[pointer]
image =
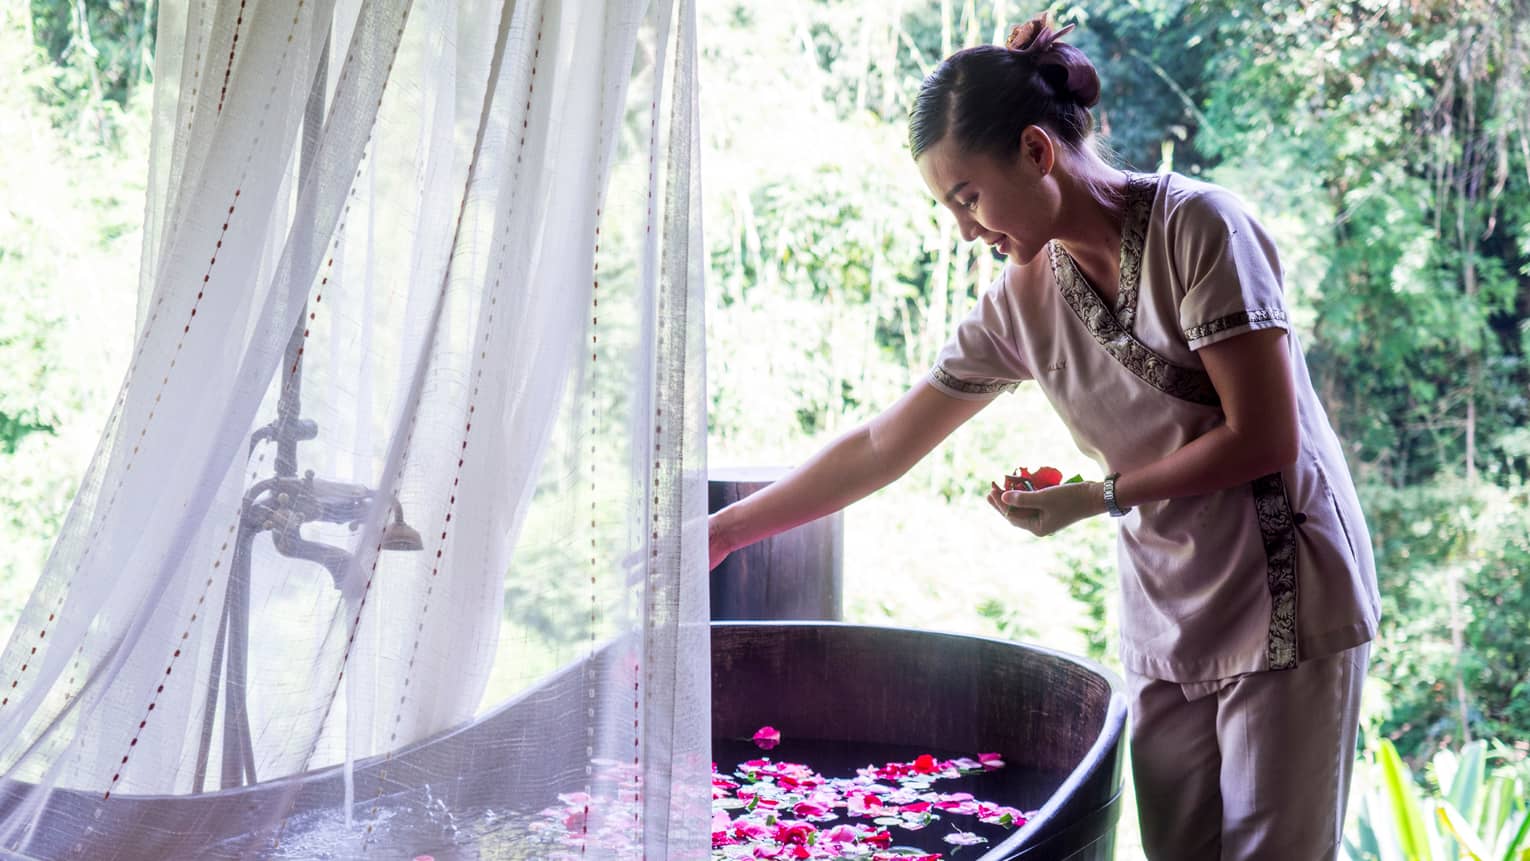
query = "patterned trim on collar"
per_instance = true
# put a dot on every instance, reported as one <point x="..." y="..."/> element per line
<point x="1187" y="384"/>
<point x="1278" y="528"/>
<point x="944" y="377"/>
<point x="1233" y="321"/>
<point x="1141" y="189"/>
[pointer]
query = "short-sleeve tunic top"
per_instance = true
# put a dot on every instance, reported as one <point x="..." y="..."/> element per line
<point x="1255" y="577"/>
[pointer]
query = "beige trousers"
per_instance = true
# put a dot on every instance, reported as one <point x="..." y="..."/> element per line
<point x="1254" y="768"/>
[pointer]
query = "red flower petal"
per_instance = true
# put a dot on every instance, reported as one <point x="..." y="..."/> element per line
<point x="1047" y="477"/>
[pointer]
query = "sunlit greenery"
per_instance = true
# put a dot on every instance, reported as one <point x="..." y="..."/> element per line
<point x="1475" y="805"/>
<point x="71" y="199"/>
<point x="1386" y="145"/>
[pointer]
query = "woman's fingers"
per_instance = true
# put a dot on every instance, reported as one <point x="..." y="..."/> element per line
<point x="1028" y="519"/>
<point x="993" y="498"/>
<point x="1024" y="517"/>
<point x="998" y="506"/>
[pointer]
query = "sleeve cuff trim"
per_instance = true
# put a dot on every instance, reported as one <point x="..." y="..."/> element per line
<point x="1253" y="318"/>
<point x="944" y="380"/>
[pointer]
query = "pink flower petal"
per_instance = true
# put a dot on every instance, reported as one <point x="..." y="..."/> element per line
<point x="767" y="737"/>
<point x="810" y="810"/>
<point x="956" y="796"/>
<point x="840" y="834"/>
<point x="747" y="830"/>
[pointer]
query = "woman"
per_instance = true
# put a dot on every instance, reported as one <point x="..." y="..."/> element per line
<point x="1149" y="309"/>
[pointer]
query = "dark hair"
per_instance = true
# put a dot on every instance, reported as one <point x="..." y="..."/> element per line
<point x="985" y="96"/>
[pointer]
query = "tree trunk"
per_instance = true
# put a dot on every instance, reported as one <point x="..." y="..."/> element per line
<point x="1001" y="23"/>
<point x="945" y="29"/>
<point x="938" y="300"/>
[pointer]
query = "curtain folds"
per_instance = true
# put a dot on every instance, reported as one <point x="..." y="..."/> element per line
<point x="394" y="542"/>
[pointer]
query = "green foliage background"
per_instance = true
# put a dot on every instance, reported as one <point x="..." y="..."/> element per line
<point x="73" y="128"/>
<point x="1385" y="143"/>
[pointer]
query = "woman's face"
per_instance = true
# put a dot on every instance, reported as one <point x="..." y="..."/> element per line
<point x="1007" y="203"/>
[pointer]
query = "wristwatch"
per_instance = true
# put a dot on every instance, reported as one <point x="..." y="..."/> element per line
<point x="1110" y="496"/>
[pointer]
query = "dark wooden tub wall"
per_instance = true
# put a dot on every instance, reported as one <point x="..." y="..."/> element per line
<point x="1041" y="709"/>
<point x="795" y="575"/>
<point x="467" y="768"/>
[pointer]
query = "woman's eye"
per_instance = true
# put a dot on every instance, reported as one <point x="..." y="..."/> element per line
<point x="971" y="205"/>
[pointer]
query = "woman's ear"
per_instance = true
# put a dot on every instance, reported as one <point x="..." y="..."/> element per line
<point x="1037" y="149"/>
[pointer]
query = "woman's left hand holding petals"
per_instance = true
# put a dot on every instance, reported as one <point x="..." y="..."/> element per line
<point x="1043" y="512"/>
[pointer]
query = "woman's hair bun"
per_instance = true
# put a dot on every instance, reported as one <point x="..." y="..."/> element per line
<point x="1063" y="66"/>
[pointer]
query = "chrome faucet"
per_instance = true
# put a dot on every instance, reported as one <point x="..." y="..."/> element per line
<point x="283" y="504"/>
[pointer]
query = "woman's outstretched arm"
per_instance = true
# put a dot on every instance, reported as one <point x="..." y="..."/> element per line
<point x="853" y="466"/>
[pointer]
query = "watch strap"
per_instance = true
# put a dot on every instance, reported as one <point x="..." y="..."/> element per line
<point x="1111" y="506"/>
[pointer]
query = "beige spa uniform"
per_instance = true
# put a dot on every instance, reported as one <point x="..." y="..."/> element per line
<point x="1216" y="590"/>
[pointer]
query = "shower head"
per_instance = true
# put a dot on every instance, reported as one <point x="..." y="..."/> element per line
<point x="399" y="535"/>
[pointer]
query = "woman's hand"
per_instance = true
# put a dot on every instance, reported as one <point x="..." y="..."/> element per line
<point x="1043" y="512"/>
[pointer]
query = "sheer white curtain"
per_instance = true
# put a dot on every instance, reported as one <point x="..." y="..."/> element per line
<point x="394" y="541"/>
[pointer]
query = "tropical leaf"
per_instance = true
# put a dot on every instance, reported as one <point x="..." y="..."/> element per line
<point x="1465" y="788"/>
<point x="1406" y="815"/>
<point x="1515" y="849"/>
<point x="1453" y="823"/>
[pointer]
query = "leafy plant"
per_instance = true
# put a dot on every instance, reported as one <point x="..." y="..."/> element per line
<point x="1474" y="809"/>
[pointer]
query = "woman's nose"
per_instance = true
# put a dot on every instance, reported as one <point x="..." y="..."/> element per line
<point x="970" y="229"/>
